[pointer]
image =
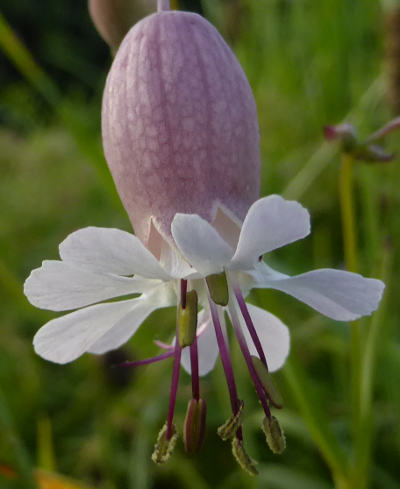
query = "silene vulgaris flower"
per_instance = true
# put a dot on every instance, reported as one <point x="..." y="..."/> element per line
<point x="180" y="135"/>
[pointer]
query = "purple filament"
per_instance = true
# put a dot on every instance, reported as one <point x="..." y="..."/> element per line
<point x="174" y="387"/>
<point x="177" y="364"/>
<point x="225" y="357"/>
<point x="194" y="364"/>
<point x="183" y="293"/>
<point x="147" y="361"/>
<point x="246" y="354"/>
<point x="226" y="362"/>
<point x="250" y="325"/>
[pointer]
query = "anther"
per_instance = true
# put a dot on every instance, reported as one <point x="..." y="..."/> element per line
<point x="218" y="288"/>
<point x="229" y="428"/>
<point x="188" y="319"/>
<point x="242" y="457"/>
<point x="195" y="425"/>
<point x="268" y="385"/>
<point x="274" y="435"/>
<point x="164" y="446"/>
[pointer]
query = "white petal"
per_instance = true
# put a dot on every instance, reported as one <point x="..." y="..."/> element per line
<point x="340" y="295"/>
<point x="110" y="250"/>
<point x="159" y="297"/>
<point x="59" y="286"/>
<point x="227" y="225"/>
<point x="99" y="328"/>
<point x="200" y="243"/>
<point x="173" y="262"/>
<point x="206" y="344"/>
<point x="273" y="335"/>
<point x="271" y="222"/>
<point x="64" y="339"/>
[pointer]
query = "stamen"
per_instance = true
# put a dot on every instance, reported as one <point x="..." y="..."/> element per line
<point x="226" y="362"/>
<point x="218" y="288"/>
<point x="249" y="324"/>
<point x="246" y="354"/>
<point x="174" y="389"/>
<point x="225" y="357"/>
<point x="230" y="427"/>
<point x="164" y="446"/>
<point x="267" y="382"/>
<point x="187" y="319"/>
<point x="242" y="457"/>
<point x="183" y="293"/>
<point x="147" y="361"/>
<point x="195" y="425"/>
<point x="274" y="435"/>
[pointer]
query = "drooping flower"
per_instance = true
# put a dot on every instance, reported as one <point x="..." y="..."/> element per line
<point x="181" y="138"/>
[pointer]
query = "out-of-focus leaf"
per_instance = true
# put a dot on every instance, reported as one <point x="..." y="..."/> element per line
<point x="44" y="480"/>
<point x="276" y="476"/>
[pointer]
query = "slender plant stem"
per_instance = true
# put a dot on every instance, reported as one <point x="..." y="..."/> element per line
<point x="163" y="5"/>
<point x="360" y="430"/>
<point x="317" y="423"/>
<point x="367" y="376"/>
<point x="347" y="209"/>
<point x="302" y="181"/>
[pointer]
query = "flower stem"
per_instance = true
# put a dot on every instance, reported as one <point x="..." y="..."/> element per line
<point x="367" y="377"/>
<point x="347" y="209"/>
<point x="162" y="5"/>
<point x="317" y="423"/>
<point x="360" y="430"/>
<point x="350" y="252"/>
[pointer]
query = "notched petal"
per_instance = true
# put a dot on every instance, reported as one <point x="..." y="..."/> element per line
<point x="200" y="243"/>
<point x="272" y="222"/>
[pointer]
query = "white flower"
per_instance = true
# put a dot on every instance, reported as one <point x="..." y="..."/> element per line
<point x="98" y="264"/>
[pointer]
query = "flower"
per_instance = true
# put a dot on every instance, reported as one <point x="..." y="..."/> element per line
<point x="99" y="264"/>
<point x="181" y="138"/>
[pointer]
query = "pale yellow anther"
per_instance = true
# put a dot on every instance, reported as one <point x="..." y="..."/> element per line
<point x="218" y="288"/>
<point x="188" y="319"/>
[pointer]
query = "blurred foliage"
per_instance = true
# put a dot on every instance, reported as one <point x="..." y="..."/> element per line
<point x="309" y="63"/>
